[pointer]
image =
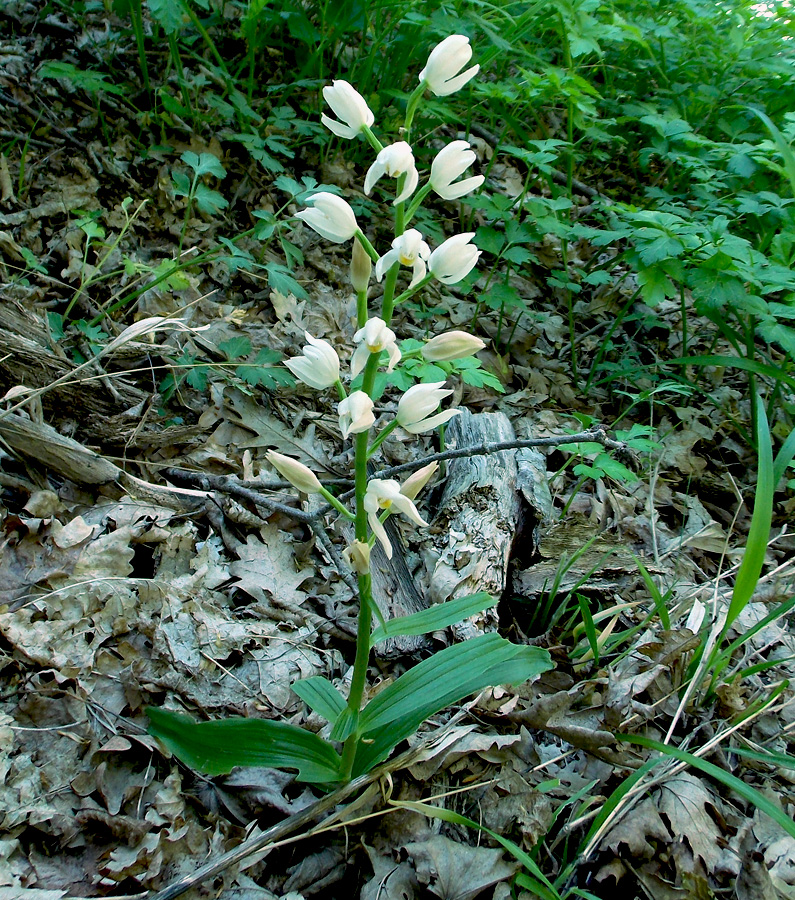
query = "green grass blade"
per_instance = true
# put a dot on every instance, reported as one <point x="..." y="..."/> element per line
<point x="736" y="362"/>
<point x="590" y="628"/>
<point x="783" y="458"/>
<point x="751" y="794"/>
<point x="435" y="617"/>
<point x="759" y="533"/>
<point x="216" y="747"/>
<point x="448" y="815"/>
<point x="654" y="591"/>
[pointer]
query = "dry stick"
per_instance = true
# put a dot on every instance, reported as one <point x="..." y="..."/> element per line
<point x="229" y="485"/>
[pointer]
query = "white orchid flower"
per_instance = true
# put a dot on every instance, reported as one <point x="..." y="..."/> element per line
<point x="384" y="494"/>
<point x="331" y="217"/>
<point x="409" y="250"/>
<point x="450" y="162"/>
<point x="319" y="367"/>
<point x="299" y="475"/>
<point x="394" y="160"/>
<point x="453" y="260"/>
<point x="356" y="413"/>
<point x="451" y="345"/>
<point x="445" y="62"/>
<point x="373" y="338"/>
<point x="349" y="107"/>
<point x="417" y="404"/>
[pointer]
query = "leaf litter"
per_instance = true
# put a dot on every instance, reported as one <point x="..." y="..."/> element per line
<point x="110" y="602"/>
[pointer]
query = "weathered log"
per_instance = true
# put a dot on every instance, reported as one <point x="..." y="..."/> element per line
<point x="477" y="517"/>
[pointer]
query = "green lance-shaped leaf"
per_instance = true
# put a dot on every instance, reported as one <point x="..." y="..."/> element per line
<point x="756" y="547"/>
<point x="435" y="617"/>
<point x="445" y="678"/>
<point x="217" y="747"/>
<point x="320" y="695"/>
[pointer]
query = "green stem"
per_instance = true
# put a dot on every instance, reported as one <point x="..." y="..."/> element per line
<point x="372" y="140"/>
<point x="359" y="678"/>
<point x="369" y="248"/>
<point x="416" y="202"/>
<point x="409" y="292"/>
<point x="340" y="507"/>
<point x="411" y="108"/>
<point x="388" y="300"/>
<point x="366" y="604"/>
<point x="381" y="437"/>
<point x="361" y="309"/>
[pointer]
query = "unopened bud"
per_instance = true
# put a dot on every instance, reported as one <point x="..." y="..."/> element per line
<point x="451" y="345"/>
<point x="358" y="557"/>
<point x="416" y="482"/>
<point x="299" y="475"/>
<point x="361" y="267"/>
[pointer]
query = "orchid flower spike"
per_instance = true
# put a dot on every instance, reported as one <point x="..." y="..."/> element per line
<point x="385" y="494"/>
<point x="331" y="217"/>
<point x="409" y="250"/>
<point x="319" y="367"/>
<point x="394" y="160"/>
<point x="356" y="413"/>
<point x="417" y="404"/>
<point x="441" y="72"/>
<point x="299" y="475"/>
<point x="349" y="107"/>
<point x="450" y="162"/>
<point x="373" y="338"/>
<point x="453" y="260"/>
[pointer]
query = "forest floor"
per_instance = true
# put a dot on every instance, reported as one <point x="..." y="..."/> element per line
<point x="138" y="567"/>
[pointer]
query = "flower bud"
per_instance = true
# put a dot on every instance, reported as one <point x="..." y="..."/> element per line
<point x="331" y="217"/>
<point x="299" y="475"/>
<point x="445" y="62"/>
<point x="453" y="260"/>
<point x="357" y="556"/>
<point x="417" y="404"/>
<point x="361" y="267"/>
<point x="451" y="345"/>
<point x="350" y="108"/>
<point x="356" y="413"/>
<point x="416" y="482"/>
<point x="319" y="367"/>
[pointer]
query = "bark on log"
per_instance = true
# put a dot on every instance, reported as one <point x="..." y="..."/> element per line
<point x="477" y="517"/>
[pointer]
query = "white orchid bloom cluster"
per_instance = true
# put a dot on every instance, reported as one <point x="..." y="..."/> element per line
<point x="319" y="366"/>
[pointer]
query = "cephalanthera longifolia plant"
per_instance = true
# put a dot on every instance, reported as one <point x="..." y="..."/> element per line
<point x="362" y="737"/>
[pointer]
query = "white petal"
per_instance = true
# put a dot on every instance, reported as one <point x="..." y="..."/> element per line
<point x="460" y="188"/>
<point x="431" y="422"/>
<point x="375" y="171"/>
<point x="385" y="263"/>
<point x="359" y="359"/>
<point x="343" y="131"/>
<point x="379" y="531"/>
<point x="412" y="177"/>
